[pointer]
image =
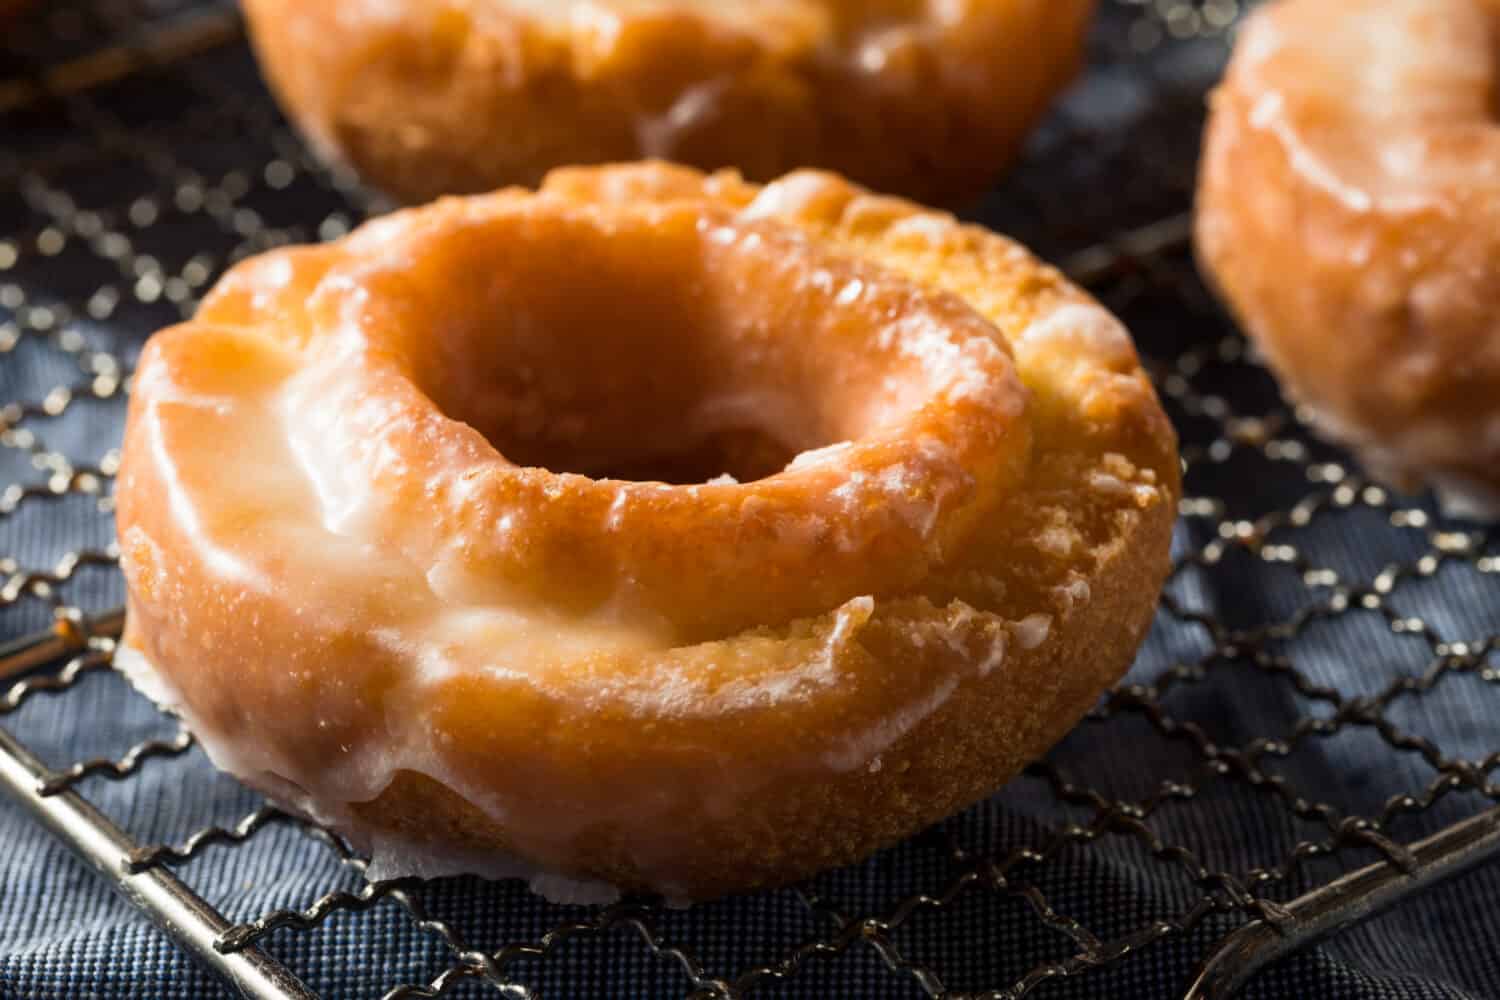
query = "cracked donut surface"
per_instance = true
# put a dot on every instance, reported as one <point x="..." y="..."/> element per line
<point x="656" y="529"/>
<point x="923" y="97"/>
<point x="1349" y="212"/>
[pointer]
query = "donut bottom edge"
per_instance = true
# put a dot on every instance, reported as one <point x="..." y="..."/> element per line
<point x="981" y="738"/>
<point x="1458" y="491"/>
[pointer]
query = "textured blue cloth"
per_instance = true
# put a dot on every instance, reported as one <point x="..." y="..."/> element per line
<point x="192" y="170"/>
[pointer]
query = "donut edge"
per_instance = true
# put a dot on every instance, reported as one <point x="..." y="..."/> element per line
<point x="1256" y="212"/>
<point x="416" y="154"/>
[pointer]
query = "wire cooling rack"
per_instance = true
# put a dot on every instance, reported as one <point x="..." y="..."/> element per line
<point x="139" y="157"/>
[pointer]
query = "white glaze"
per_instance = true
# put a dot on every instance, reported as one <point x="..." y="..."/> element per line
<point x="390" y="857"/>
<point x="931" y="228"/>
<point x="1393" y="80"/>
<point x="660" y="136"/>
<point x="793" y="195"/>
<point x="1082" y="331"/>
<point x="1074" y="594"/>
<point x="828" y="453"/>
<point x="861" y="749"/>
<point x="1058" y="537"/>
<point x="1032" y="631"/>
<point x="337" y="521"/>
<point x="331" y="502"/>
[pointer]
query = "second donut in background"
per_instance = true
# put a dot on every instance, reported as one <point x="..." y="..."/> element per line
<point x="1349" y="213"/>
<point x="927" y="98"/>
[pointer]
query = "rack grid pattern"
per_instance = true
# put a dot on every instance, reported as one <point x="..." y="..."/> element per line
<point x="142" y="158"/>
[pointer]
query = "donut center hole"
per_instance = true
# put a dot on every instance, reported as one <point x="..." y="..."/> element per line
<point x="646" y="432"/>
<point x="659" y="358"/>
<point x="743" y="455"/>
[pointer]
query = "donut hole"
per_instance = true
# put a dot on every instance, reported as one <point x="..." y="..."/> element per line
<point x="631" y="425"/>
<point x="651" y="348"/>
<point x="744" y="454"/>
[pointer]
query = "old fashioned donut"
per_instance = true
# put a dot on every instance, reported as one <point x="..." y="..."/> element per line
<point x="922" y="97"/>
<point x="1349" y="210"/>
<point x="655" y="528"/>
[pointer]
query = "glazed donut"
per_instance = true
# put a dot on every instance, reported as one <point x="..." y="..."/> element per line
<point x="923" y="97"/>
<point x="654" y="529"/>
<point x="1349" y="211"/>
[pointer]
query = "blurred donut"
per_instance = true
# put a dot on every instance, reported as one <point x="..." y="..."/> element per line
<point x="1349" y="211"/>
<point x="928" y="98"/>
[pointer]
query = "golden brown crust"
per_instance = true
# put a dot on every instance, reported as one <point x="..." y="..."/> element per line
<point x="962" y="753"/>
<point x="1358" y="240"/>
<point x="1057" y="582"/>
<point x="468" y="95"/>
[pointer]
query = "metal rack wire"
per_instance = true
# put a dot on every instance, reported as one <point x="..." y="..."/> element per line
<point x="142" y="158"/>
